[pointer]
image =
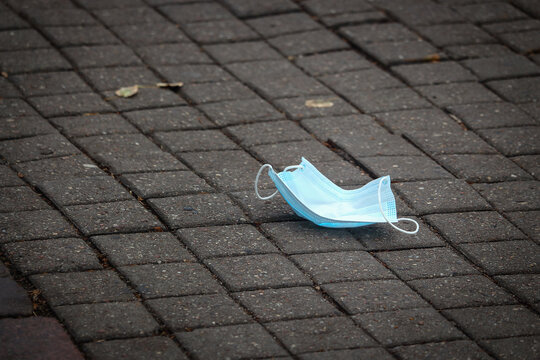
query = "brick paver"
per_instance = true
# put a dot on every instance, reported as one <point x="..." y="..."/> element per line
<point x="134" y="221"/>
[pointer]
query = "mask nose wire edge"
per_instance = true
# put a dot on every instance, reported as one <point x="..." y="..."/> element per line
<point x="400" y="219"/>
<point x="270" y="168"/>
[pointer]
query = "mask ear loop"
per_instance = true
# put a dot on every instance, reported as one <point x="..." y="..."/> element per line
<point x="400" y="219"/>
<point x="259" y="175"/>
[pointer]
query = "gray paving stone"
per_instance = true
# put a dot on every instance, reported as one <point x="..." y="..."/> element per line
<point x="425" y="263"/>
<point x="257" y="272"/>
<point x="289" y="87"/>
<point x="195" y="140"/>
<point x="216" y="92"/>
<point x="502" y="67"/>
<point x="25" y="338"/>
<point x="309" y="42"/>
<point x="130" y="15"/>
<point x="149" y="34"/>
<point x="514" y="348"/>
<point x="342" y="266"/>
<point x="197" y="12"/>
<point x="39" y="224"/>
<point x="54" y="255"/>
<point x="102" y="55"/>
<point x="146" y="98"/>
<point x="138" y="348"/>
<point x="47" y="59"/>
<point x="433" y="73"/>
<point x="461" y="291"/>
<point x="444" y="95"/>
<point x="9" y="177"/>
<point x="359" y="354"/>
<point x="523" y="42"/>
<point x="8" y="90"/>
<point x="11" y="21"/>
<point x="265" y="69"/>
<point x="405" y="168"/>
<point x="108" y="124"/>
<point x="173" y="279"/>
<point x="50" y="83"/>
<point x="70" y="104"/>
<point x="58" y="168"/>
<point x="121" y="216"/>
<point x="219" y="31"/>
<point x="285" y="154"/>
<point x="88" y="190"/>
<point x="527" y="222"/>
<point x="197" y="210"/>
<point x="418" y="120"/>
<point x="267" y="132"/>
<point x="504" y="257"/>
<point x="531" y="163"/>
<point x="486" y="13"/>
<point x="459" y="52"/>
<point x="173" y="54"/>
<point x="276" y="25"/>
<point x="321" y="7"/>
<point x="408" y="326"/>
<point x="37" y="147"/>
<point x="276" y="209"/>
<point x="141" y="248"/>
<point x="14" y="300"/>
<point x="59" y="17"/>
<point x="114" y="78"/>
<point x="314" y="106"/>
<point x="189" y="312"/>
<point x="21" y="39"/>
<point x="161" y="184"/>
<point x="285" y="304"/>
<point x="495" y="321"/>
<point x="15" y="108"/>
<point x="482" y="168"/>
<point x="460" y="349"/>
<point x="82" y="287"/>
<point x="87" y="322"/>
<point x="512" y="195"/>
<point x="170" y="118"/>
<point x="522" y="285"/>
<point x="369" y="145"/>
<point x="520" y="90"/>
<point x="335" y="127"/>
<point x="250" y="8"/>
<point x="335" y="21"/>
<point x="491" y="115"/>
<point x="332" y="62"/>
<point x="63" y="36"/>
<point x="233" y="341"/>
<point x="532" y="108"/>
<point x="454" y="34"/>
<point x="320" y="334"/>
<point x="194" y="73"/>
<point x="231" y="240"/>
<point x="304" y="237"/>
<point x="383" y="237"/>
<point x="515" y="140"/>
<point x="474" y="227"/>
<point x="441" y="196"/>
<point x="240" y="111"/>
<point x="120" y="143"/>
<point x="55" y="4"/>
<point x="388" y="100"/>
<point x="243" y="51"/>
<point x="374" y="295"/>
<point x="361" y="80"/>
<point x="106" y="4"/>
<point x="361" y="34"/>
<point x="391" y="53"/>
<point x="21" y="198"/>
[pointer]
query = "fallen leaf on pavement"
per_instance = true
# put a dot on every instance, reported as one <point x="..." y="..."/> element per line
<point x="176" y="84"/>
<point x="319" y="103"/>
<point x="128" y="91"/>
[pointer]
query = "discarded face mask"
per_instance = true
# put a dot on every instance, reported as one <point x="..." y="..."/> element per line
<point x="314" y="197"/>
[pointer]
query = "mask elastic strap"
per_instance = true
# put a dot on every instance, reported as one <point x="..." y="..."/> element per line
<point x="270" y="167"/>
<point x="400" y="219"/>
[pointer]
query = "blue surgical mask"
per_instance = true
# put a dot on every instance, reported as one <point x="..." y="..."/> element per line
<point x="314" y="197"/>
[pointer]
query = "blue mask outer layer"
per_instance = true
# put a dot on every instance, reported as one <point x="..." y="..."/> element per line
<point x="314" y="197"/>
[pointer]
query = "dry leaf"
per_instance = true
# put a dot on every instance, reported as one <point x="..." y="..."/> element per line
<point x="164" y="85"/>
<point x="433" y="57"/>
<point x="128" y="91"/>
<point x="319" y="103"/>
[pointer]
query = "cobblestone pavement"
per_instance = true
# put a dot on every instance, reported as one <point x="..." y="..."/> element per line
<point x="129" y="227"/>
